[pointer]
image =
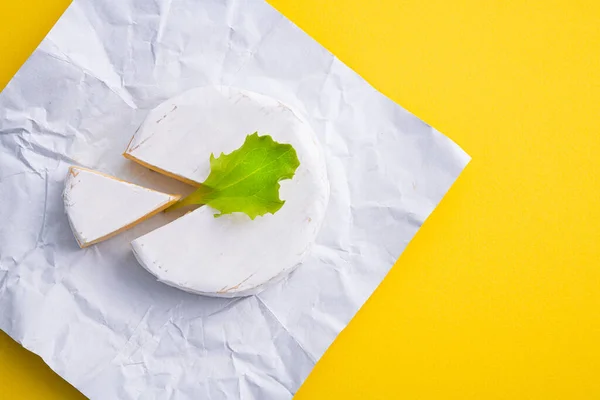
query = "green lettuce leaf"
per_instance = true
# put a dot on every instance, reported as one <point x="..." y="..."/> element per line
<point x="247" y="179"/>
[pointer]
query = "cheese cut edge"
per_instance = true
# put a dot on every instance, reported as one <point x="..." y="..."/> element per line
<point x="173" y="198"/>
<point x="154" y="168"/>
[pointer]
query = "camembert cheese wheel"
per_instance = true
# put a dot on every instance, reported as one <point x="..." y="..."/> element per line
<point x="231" y="255"/>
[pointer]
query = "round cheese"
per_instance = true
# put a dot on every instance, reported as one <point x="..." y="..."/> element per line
<point x="231" y="255"/>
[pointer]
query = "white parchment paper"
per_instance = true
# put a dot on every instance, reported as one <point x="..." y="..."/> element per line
<point x="94" y="315"/>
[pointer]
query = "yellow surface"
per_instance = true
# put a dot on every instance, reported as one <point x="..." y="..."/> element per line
<point x="498" y="297"/>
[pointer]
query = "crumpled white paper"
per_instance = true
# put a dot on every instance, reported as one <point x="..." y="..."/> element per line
<point x="94" y="315"/>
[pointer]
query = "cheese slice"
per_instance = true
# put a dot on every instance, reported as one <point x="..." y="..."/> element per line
<point x="100" y="206"/>
<point x="231" y="255"/>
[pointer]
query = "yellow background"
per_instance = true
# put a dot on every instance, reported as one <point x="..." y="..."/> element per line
<point x="498" y="296"/>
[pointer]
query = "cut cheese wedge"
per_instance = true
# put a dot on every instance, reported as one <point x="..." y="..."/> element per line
<point x="100" y="206"/>
<point x="231" y="255"/>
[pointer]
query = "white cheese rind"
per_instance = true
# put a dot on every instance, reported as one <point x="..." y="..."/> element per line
<point x="231" y="255"/>
<point x="99" y="206"/>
